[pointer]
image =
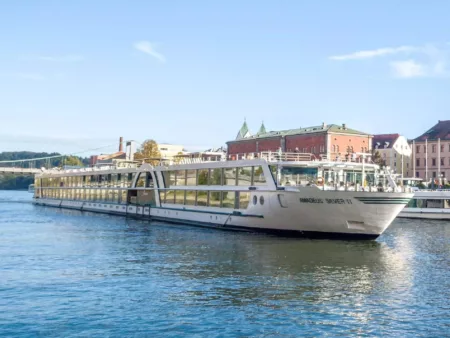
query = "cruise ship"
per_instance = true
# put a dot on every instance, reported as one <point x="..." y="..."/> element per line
<point x="284" y="193"/>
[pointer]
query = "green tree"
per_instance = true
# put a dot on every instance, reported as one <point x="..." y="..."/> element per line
<point x="377" y="159"/>
<point x="148" y="152"/>
<point x="73" y="161"/>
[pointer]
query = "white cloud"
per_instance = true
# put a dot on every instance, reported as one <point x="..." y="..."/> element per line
<point x="408" y="69"/>
<point x="424" y="61"/>
<point x="149" y="48"/>
<point x="367" y="54"/>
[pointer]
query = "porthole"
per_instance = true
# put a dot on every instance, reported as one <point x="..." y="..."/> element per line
<point x="255" y="200"/>
<point x="261" y="200"/>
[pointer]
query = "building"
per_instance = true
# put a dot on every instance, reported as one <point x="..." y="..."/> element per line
<point x="213" y="154"/>
<point x="108" y="159"/>
<point x="431" y="153"/>
<point x="395" y="151"/>
<point x="170" y="150"/>
<point x="326" y="141"/>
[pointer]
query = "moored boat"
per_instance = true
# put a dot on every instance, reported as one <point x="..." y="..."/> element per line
<point x="283" y="193"/>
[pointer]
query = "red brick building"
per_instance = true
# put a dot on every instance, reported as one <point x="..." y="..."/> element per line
<point x="328" y="141"/>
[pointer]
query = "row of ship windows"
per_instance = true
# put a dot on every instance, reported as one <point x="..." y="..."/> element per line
<point x="95" y="195"/>
<point x="218" y="199"/>
<point x="241" y="176"/>
<point x="108" y="180"/>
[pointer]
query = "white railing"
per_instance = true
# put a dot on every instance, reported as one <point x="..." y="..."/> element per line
<point x="20" y="170"/>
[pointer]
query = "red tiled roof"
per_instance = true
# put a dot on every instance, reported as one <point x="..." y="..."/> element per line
<point x="384" y="141"/>
<point x="441" y="130"/>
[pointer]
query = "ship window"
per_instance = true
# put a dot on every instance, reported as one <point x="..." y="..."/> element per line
<point x="169" y="178"/>
<point x="179" y="196"/>
<point x="202" y="198"/>
<point x="190" y="197"/>
<point x="141" y="180"/>
<point x="215" y="177"/>
<point x="123" y="198"/>
<point x="203" y="175"/>
<point x="180" y="177"/>
<point x="245" y="176"/>
<point x="191" y="177"/>
<point x="244" y="199"/>
<point x="255" y="200"/>
<point x="214" y="199"/>
<point x="228" y="198"/>
<point x="170" y="197"/>
<point x="261" y="200"/>
<point x="258" y="176"/>
<point x="113" y="182"/>
<point x="230" y="176"/>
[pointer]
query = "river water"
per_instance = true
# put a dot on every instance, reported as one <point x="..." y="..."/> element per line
<point x="76" y="274"/>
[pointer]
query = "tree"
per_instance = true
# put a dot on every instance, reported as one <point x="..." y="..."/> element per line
<point x="73" y="161"/>
<point x="148" y="152"/>
<point x="178" y="158"/>
<point x="376" y="158"/>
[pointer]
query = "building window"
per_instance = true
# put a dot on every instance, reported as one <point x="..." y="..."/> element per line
<point x="442" y="161"/>
<point x="433" y="162"/>
<point x="334" y="148"/>
<point x="337" y="148"/>
<point x="424" y="149"/>
<point x="434" y="174"/>
<point x="433" y="148"/>
<point x="417" y="174"/>
<point x="395" y="164"/>
<point x="407" y="165"/>
<point x="443" y="174"/>
<point x="442" y="147"/>
<point x="417" y="149"/>
<point x="395" y="155"/>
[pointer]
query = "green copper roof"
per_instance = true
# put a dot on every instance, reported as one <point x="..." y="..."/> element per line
<point x="331" y="128"/>
<point x="262" y="129"/>
<point x="243" y="131"/>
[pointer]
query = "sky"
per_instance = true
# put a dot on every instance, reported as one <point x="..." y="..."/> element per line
<point x="76" y="75"/>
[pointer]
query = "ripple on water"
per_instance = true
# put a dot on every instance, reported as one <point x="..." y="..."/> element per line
<point x="70" y="273"/>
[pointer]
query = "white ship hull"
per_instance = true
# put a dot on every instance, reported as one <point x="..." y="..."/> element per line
<point x="309" y="212"/>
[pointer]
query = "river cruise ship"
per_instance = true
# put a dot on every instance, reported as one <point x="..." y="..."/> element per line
<point x="292" y="194"/>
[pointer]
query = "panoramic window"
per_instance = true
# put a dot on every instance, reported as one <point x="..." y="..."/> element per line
<point x="191" y="177"/>
<point x="258" y="176"/>
<point x="245" y="176"/>
<point x="190" y="197"/>
<point x="202" y="198"/>
<point x="141" y="180"/>
<point x="215" y="177"/>
<point x="179" y="196"/>
<point x="180" y="177"/>
<point x="203" y="177"/>
<point x="230" y="176"/>
<point x="244" y="199"/>
<point x="228" y="198"/>
<point x="215" y="199"/>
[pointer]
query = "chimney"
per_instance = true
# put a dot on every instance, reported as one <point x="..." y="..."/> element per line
<point x="121" y="144"/>
<point x="324" y="125"/>
<point x="344" y="126"/>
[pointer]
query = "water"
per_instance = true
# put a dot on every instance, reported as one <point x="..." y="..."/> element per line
<point x="73" y="274"/>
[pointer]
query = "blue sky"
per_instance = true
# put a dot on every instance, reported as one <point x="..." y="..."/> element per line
<point x="76" y="75"/>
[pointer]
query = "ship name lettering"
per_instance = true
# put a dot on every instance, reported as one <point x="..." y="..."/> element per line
<point x="311" y="200"/>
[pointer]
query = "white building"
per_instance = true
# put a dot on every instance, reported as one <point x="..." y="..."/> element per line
<point x="170" y="150"/>
<point x="395" y="151"/>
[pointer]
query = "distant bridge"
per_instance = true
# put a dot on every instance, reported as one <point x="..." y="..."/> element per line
<point x="20" y="171"/>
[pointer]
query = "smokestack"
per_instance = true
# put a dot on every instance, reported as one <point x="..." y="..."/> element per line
<point x="121" y="144"/>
